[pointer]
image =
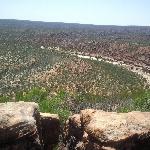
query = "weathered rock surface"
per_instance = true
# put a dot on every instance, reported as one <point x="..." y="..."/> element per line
<point x="99" y="130"/>
<point x="22" y="127"/>
<point x="19" y="124"/>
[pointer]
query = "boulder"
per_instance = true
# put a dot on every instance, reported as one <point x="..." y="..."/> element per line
<point x="19" y="126"/>
<point x="23" y="127"/>
<point x="109" y="130"/>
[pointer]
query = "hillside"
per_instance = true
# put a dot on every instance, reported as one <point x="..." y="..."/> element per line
<point x="36" y="65"/>
<point x="126" y="43"/>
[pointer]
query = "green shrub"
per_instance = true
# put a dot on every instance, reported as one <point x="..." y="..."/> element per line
<point x="142" y="102"/>
<point x="36" y="95"/>
<point x="55" y="105"/>
<point x="4" y="99"/>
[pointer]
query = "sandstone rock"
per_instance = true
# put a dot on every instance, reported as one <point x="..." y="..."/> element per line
<point x="22" y="127"/>
<point x="112" y="126"/>
<point x="110" y="130"/>
<point x="19" y="124"/>
<point x="50" y="129"/>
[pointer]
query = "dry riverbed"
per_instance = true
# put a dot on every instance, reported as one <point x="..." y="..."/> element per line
<point x="136" y="69"/>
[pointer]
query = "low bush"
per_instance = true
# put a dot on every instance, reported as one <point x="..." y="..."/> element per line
<point x="55" y="104"/>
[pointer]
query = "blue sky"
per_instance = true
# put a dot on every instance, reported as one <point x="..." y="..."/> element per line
<point x="102" y="12"/>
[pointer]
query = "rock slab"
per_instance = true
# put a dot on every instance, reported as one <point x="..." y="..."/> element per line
<point x="19" y="124"/>
<point x="100" y="130"/>
<point x="22" y="127"/>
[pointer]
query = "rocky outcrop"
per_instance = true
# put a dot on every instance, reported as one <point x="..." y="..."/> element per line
<point x="22" y="127"/>
<point x="99" y="130"/>
<point x="19" y="124"/>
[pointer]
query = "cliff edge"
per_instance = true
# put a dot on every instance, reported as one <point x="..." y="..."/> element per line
<point x="23" y="127"/>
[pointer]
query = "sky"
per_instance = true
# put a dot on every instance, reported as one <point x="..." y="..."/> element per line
<point x="100" y="12"/>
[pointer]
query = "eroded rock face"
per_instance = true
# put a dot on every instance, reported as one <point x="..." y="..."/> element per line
<point x="109" y="130"/>
<point x="22" y="127"/>
<point x="19" y="126"/>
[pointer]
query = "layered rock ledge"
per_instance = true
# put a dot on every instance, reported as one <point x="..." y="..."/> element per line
<point x="23" y="127"/>
<point x="99" y="130"/>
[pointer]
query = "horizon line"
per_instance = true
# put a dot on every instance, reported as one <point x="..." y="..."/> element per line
<point x="42" y="21"/>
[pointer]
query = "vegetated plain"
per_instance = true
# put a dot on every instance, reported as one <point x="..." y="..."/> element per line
<point x="35" y="67"/>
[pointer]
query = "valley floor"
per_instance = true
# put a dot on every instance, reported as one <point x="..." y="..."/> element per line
<point x="135" y="69"/>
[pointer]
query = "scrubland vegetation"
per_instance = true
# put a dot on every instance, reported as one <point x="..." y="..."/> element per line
<point x="31" y="69"/>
